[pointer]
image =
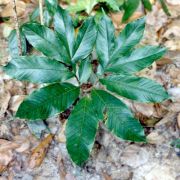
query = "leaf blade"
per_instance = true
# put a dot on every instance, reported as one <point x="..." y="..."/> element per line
<point x="136" y="60"/>
<point x="37" y="69"/>
<point x="120" y="120"/>
<point x="135" y="88"/>
<point x="85" y="70"/>
<point x="85" y="40"/>
<point x="165" y="8"/>
<point x="81" y="131"/>
<point x="46" y="41"/>
<point x="51" y="5"/>
<point x="147" y="5"/>
<point x="113" y="4"/>
<point x="48" y="101"/>
<point x="64" y="26"/>
<point x="130" y="8"/>
<point x="13" y="43"/>
<point x="128" y="38"/>
<point x="105" y="40"/>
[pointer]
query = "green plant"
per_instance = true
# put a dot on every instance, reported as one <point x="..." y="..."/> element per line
<point x="128" y="6"/>
<point x="176" y="143"/>
<point x="69" y="57"/>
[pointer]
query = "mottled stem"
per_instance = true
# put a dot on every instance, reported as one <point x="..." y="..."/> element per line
<point x="41" y="11"/>
<point x="17" y="27"/>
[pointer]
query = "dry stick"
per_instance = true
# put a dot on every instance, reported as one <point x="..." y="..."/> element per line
<point x="41" y="11"/>
<point x="17" y="27"/>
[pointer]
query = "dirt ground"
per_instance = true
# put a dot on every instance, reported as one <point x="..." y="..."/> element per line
<point x="111" y="158"/>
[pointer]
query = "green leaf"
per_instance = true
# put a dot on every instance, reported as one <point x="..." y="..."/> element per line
<point x="46" y="41"/>
<point x="81" y="131"/>
<point x="37" y="69"/>
<point x="51" y="6"/>
<point x="48" y="101"/>
<point x="83" y="5"/>
<point x="64" y="26"/>
<point x="130" y="8"/>
<point x="13" y="43"/>
<point x="85" y="40"/>
<point x="147" y="5"/>
<point x="85" y="70"/>
<point x="165" y="8"/>
<point x="135" y="88"/>
<point x="120" y="121"/>
<point x="136" y="60"/>
<point x="113" y="4"/>
<point x="105" y="40"/>
<point x="47" y="18"/>
<point x="128" y="38"/>
<point x="34" y="15"/>
<point x="176" y="143"/>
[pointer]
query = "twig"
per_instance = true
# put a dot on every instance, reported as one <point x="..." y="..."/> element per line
<point x="17" y="28"/>
<point x="41" y="11"/>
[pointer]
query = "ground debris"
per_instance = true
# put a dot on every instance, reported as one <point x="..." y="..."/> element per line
<point x="39" y="152"/>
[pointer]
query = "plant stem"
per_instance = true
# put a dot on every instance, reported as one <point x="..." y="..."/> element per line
<point x="17" y="28"/>
<point x="41" y="11"/>
<point x="77" y="80"/>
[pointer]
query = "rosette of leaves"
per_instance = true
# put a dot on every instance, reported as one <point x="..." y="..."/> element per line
<point x="67" y="56"/>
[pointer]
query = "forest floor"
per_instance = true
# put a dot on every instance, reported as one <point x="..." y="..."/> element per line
<point x="111" y="158"/>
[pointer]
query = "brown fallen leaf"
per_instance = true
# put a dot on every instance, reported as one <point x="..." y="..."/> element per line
<point x="117" y="19"/>
<point x="39" y="152"/>
<point x="178" y="120"/>
<point x="174" y="107"/>
<point x="3" y="168"/>
<point x="5" y="157"/>
<point x="24" y="144"/>
<point x="60" y="163"/>
<point x="163" y="61"/>
<point x="4" y="101"/>
<point x="7" y="28"/>
<point x="8" y="10"/>
<point x="7" y="145"/>
<point x="6" y="154"/>
<point x="168" y="119"/>
<point x="106" y="176"/>
<point x="4" y="2"/>
<point x="155" y="138"/>
<point x="15" y="102"/>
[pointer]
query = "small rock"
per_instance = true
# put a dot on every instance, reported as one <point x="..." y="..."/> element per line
<point x="173" y="2"/>
<point x="27" y="177"/>
<point x="107" y="137"/>
<point x="178" y="120"/>
<point x="135" y="156"/>
<point x="122" y="173"/>
<point x="175" y="93"/>
<point x="155" y="138"/>
<point x="160" y="173"/>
